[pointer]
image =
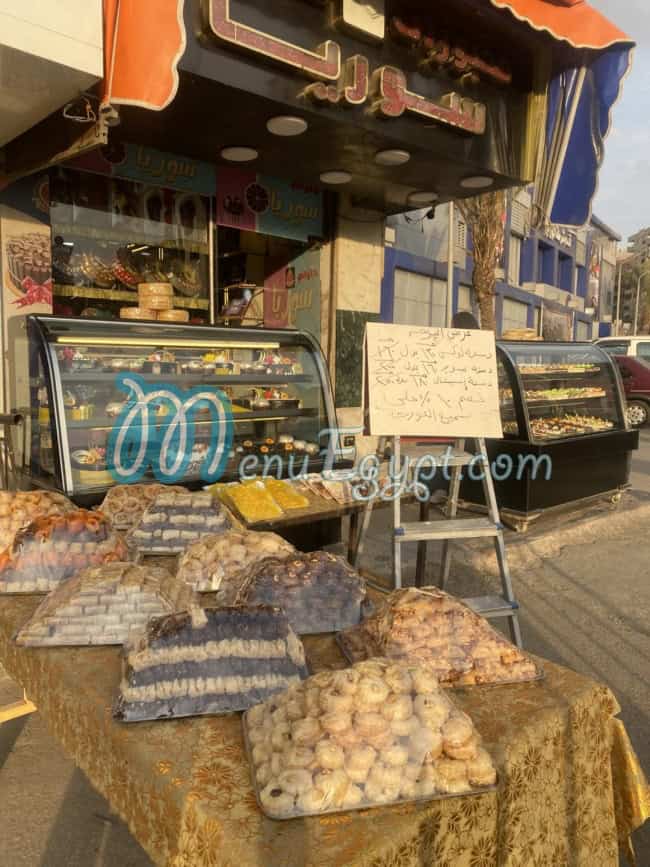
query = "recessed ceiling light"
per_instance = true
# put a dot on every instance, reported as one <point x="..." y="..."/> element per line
<point x="239" y="154"/>
<point x="477" y="182"/>
<point x="423" y="198"/>
<point x="392" y="158"/>
<point x="336" y="177"/>
<point x="287" y="125"/>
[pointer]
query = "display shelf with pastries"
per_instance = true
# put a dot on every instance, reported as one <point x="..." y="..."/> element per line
<point x="564" y="426"/>
<point x="89" y="377"/>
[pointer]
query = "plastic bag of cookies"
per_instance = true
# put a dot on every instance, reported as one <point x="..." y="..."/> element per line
<point x="175" y="520"/>
<point x="431" y="626"/>
<point x="318" y="591"/>
<point x="20" y="508"/>
<point x="378" y="733"/>
<point x="221" y="563"/>
<point x="49" y="550"/>
<point x="125" y="505"/>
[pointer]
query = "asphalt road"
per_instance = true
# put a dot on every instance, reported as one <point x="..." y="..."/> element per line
<point x="588" y="609"/>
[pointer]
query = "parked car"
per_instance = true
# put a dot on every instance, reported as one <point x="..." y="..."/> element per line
<point x="638" y="347"/>
<point x="635" y="373"/>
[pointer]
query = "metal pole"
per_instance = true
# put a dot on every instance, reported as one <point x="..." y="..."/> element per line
<point x="618" y="301"/>
<point x="451" y="255"/>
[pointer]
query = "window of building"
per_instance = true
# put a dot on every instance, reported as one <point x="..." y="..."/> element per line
<point x="583" y="330"/>
<point x="419" y="300"/>
<point x="566" y="273"/>
<point x="466" y="298"/>
<point x="514" y="260"/>
<point x="461" y="234"/>
<point x="514" y="315"/>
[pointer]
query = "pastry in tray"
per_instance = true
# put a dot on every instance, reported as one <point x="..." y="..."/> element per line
<point x="126" y="504"/>
<point x="378" y="733"/>
<point x="285" y="494"/>
<point x="20" y="508"/>
<point x="175" y="520"/>
<point x="431" y="626"/>
<point x="208" y="661"/>
<point x="102" y="604"/>
<point x="221" y="563"/>
<point x="51" y="549"/>
<point x="319" y="591"/>
<point x="253" y="502"/>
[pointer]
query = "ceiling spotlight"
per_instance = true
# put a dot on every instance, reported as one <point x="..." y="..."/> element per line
<point x="287" y="125"/>
<point x="477" y="182"/>
<point x="392" y="158"/>
<point x="422" y="198"/>
<point x="239" y="154"/>
<point x="336" y="177"/>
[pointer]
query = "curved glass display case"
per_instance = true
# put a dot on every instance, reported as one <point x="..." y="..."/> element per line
<point x="565" y="437"/>
<point x="123" y="401"/>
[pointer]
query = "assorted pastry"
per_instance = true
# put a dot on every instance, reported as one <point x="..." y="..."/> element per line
<point x="125" y="505"/>
<point x="208" y="661"/>
<point x="220" y="564"/>
<point x="51" y="549"/>
<point x="319" y="591"/>
<point x="568" y="425"/>
<point x="553" y="394"/>
<point x="430" y="626"/>
<point x="174" y="520"/>
<point x="378" y="733"/>
<point x="536" y="369"/>
<point x="20" y="508"/>
<point x="102" y="604"/>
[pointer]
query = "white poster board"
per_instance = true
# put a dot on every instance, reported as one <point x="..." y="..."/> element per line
<point x="431" y="382"/>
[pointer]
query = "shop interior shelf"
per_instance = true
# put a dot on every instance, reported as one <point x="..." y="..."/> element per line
<point x="98" y="377"/>
<point x="62" y="290"/>
<point x="125" y="235"/>
<point x="564" y="401"/>
<point x="239" y="417"/>
<point x="560" y="375"/>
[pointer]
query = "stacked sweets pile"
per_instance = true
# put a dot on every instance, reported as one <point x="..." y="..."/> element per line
<point x="155" y="301"/>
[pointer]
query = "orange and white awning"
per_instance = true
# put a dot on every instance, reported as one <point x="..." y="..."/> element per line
<point x="572" y="21"/>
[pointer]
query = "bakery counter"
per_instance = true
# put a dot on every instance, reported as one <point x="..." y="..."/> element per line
<point x="570" y="787"/>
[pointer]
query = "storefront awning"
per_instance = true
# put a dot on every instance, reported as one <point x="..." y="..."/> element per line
<point x="572" y="21"/>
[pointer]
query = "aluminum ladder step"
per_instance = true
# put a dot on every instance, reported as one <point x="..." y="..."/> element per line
<point x="492" y="606"/>
<point x="464" y="528"/>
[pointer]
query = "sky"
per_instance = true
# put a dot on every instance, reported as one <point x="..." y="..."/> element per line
<point x="623" y="199"/>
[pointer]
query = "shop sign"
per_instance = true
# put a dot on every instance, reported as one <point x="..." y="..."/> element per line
<point x="352" y="81"/>
<point x="258" y="203"/>
<point x="292" y="294"/>
<point x="150" y="166"/>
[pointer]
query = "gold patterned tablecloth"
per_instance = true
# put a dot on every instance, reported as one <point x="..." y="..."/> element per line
<point x="570" y="787"/>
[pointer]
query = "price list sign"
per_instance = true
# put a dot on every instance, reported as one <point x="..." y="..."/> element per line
<point x="431" y="382"/>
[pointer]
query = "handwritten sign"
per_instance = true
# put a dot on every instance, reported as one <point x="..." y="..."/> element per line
<point x="431" y="382"/>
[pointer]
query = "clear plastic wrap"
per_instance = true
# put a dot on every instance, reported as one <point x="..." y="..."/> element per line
<point x="20" y="508"/>
<point x="125" y="505"/>
<point x="103" y="604"/>
<point x="253" y="501"/>
<point x="49" y="550"/>
<point x="431" y="626"/>
<point x="378" y="733"/>
<point x="208" y="661"/>
<point x="175" y="520"/>
<point x="319" y="591"/>
<point x="220" y="564"/>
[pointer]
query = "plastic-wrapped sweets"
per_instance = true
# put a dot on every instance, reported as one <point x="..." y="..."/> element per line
<point x="208" y="661"/>
<point x="429" y="625"/>
<point x="49" y="550"/>
<point x="221" y="563"/>
<point x="20" y="508"/>
<point x="175" y="520"/>
<point x="125" y="505"/>
<point x="103" y="604"/>
<point x="378" y="733"/>
<point x="319" y="591"/>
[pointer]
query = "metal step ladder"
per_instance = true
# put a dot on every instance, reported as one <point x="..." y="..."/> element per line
<point x="453" y="529"/>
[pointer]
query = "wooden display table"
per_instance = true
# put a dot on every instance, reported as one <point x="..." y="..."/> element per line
<point x="570" y="786"/>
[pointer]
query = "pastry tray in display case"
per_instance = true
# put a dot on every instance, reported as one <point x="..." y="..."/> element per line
<point x="87" y="375"/>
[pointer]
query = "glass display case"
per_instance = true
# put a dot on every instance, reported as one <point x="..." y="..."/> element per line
<point x="125" y="401"/>
<point x="550" y="392"/>
<point x="565" y="437"/>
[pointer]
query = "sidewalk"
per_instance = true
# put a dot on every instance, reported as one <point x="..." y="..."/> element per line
<point x="584" y="605"/>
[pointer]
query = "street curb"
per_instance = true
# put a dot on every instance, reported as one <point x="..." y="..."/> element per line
<point x="528" y="550"/>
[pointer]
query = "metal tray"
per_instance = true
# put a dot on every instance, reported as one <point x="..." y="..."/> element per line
<point x="343" y="647"/>
<point x="365" y="805"/>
